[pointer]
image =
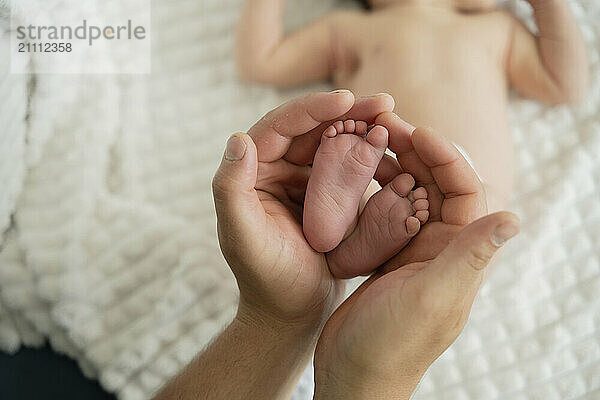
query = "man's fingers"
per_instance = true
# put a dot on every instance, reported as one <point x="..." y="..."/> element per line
<point x="303" y="148"/>
<point x="402" y="145"/>
<point x="464" y="196"/>
<point x="453" y="173"/>
<point x="239" y="211"/>
<point x="273" y="134"/>
<point x="459" y="267"/>
<point x="282" y="173"/>
<point x="368" y="108"/>
<point x="400" y="141"/>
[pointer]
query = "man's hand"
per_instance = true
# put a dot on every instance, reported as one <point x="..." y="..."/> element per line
<point x="286" y="290"/>
<point x="383" y="338"/>
<point x="259" y="190"/>
<point x="455" y="193"/>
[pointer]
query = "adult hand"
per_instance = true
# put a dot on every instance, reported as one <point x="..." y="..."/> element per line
<point x="455" y="193"/>
<point x="286" y="290"/>
<point x="259" y="190"/>
<point x="383" y="338"/>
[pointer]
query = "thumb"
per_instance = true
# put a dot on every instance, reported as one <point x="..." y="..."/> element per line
<point x="236" y="202"/>
<point x="459" y="267"/>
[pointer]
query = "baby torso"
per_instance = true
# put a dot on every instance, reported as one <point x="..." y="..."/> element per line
<point x="446" y="70"/>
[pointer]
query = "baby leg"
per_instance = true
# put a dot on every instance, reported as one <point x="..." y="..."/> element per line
<point x="343" y="167"/>
<point x="390" y="219"/>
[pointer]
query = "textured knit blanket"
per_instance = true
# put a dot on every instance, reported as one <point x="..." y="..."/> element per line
<point x="109" y="248"/>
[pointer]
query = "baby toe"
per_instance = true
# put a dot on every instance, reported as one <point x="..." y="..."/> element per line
<point x="403" y="184"/>
<point x="420" y="193"/>
<point x="339" y="126"/>
<point x="361" y="128"/>
<point x="413" y="225"/>
<point x="421" y="205"/>
<point x="330" y="132"/>
<point x="378" y="137"/>
<point x="349" y="126"/>
<point x="422" y="216"/>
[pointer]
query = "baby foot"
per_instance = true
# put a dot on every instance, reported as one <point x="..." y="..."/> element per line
<point x="390" y="219"/>
<point x="343" y="167"/>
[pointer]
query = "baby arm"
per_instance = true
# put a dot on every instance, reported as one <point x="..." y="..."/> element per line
<point x="552" y="67"/>
<point x="264" y="54"/>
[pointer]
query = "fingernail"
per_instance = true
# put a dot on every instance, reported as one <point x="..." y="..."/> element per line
<point x="236" y="148"/>
<point x="406" y="125"/>
<point x="380" y="94"/>
<point x="505" y="232"/>
<point x="339" y="91"/>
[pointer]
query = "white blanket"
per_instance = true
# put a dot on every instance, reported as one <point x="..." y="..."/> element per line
<point x="113" y="255"/>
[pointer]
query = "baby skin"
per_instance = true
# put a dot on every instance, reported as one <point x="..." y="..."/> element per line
<point x="343" y="168"/>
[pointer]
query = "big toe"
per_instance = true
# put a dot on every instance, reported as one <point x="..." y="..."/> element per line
<point x="378" y="137"/>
